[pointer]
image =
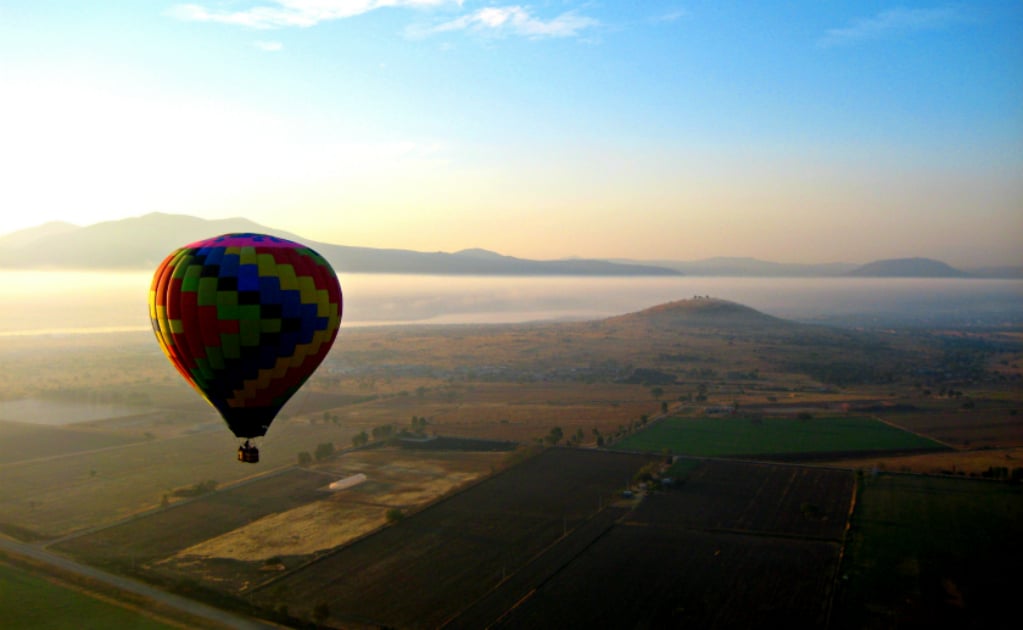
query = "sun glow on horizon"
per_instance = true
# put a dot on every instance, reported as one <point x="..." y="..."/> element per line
<point x="840" y="134"/>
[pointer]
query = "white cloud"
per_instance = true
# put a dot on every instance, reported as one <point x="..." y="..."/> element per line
<point x="892" y="22"/>
<point x="293" y="13"/>
<point x="511" y="20"/>
<point x="670" y="16"/>
<point x="269" y="46"/>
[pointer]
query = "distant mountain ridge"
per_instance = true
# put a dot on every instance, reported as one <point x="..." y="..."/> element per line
<point x="752" y="267"/>
<point x="142" y="242"/>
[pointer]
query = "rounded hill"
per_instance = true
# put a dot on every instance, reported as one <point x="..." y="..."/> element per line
<point x="907" y="268"/>
<point x="700" y="312"/>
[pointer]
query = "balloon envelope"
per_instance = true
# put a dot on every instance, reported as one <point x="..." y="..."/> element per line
<point x="246" y="319"/>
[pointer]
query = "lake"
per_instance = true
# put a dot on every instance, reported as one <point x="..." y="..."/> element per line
<point x="59" y="302"/>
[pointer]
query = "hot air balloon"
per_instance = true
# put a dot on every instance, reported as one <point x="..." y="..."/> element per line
<point x="246" y="319"/>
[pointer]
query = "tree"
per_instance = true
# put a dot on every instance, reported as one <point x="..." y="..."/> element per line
<point x="360" y="439"/>
<point x="325" y="450"/>
<point x="304" y="458"/>
<point x="418" y="424"/>
<point x="554" y="436"/>
<point x="657" y="392"/>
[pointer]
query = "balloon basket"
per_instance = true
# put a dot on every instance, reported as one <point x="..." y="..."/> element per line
<point x="248" y="454"/>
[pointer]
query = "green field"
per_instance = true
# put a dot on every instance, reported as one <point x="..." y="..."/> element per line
<point x="737" y="436"/>
<point x="28" y="601"/>
<point x="932" y="552"/>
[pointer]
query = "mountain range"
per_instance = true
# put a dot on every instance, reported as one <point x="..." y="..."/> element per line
<point x="140" y="243"/>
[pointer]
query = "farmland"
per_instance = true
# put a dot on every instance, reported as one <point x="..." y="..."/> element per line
<point x="239" y="536"/>
<point x="737" y="545"/>
<point x="29" y="601"/>
<point x="778" y="437"/>
<point x="932" y="551"/>
<point x="456" y="550"/>
<point x="478" y="511"/>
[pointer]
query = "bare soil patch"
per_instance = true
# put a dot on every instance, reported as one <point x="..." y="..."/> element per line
<point x="396" y="479"/>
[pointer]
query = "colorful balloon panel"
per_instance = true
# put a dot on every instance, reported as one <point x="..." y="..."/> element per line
<point x="246" y="319"/>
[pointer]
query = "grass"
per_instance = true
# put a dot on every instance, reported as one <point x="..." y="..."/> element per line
<point x="737" y="436"/>
<point x="932" y="550"/>
<point x="28" y="601"/>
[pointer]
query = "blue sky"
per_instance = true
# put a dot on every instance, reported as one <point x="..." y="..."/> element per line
<point x="790" y="131"/>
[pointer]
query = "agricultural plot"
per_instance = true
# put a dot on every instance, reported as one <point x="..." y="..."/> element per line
<point x="517" y="412"/>
<point x="736" y="545"/>
<point x="932" y="552"/>
<point x="55" y="496"/>
<point x="775" y="438"/>
<point x="652" y="577"/>
<point x="28" y="602"/>
<point x="426" y="568"/>
<point x="749" y="497"/>
<point x="252" y="554"/>
<point x="991" y="426"/>
<point x="235" y="538"/>
<point x="22" y="441"/>
<point x="159" y="534"/>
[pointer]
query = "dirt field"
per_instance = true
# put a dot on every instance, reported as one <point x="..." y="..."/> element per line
<point x="656" y="577"/>
<point x="985" y="427"/>
<point x="967" y="463"/>
<point x="395" y="479"/>
<point x="156" y="535"/>
<point x="58" y="495"/>
<point x="239" y="537"/>
<point x="446" y="556"/>
<point x="736" y="544"/>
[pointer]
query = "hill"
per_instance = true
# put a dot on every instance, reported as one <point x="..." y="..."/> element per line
<point x="142" y="242"/>
<point x="25" y="238"/>
<point x="907" y="268"/>
<point x="699" y="312"/>
<point x="753" y="339"/>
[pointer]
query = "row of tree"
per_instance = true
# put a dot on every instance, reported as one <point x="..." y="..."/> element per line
<point x="382" y="433"/>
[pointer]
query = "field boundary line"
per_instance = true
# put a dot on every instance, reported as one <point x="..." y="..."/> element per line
<point x="916" y="433"/>
<point x="857" y="487"/>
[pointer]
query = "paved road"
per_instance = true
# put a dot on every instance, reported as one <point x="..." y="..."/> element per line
<point x="215" y="617"/>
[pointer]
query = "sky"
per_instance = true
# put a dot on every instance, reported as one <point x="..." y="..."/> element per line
<point x="798" y="131"/>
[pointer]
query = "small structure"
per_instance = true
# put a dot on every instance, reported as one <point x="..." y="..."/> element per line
<point x="348" y="482"/>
